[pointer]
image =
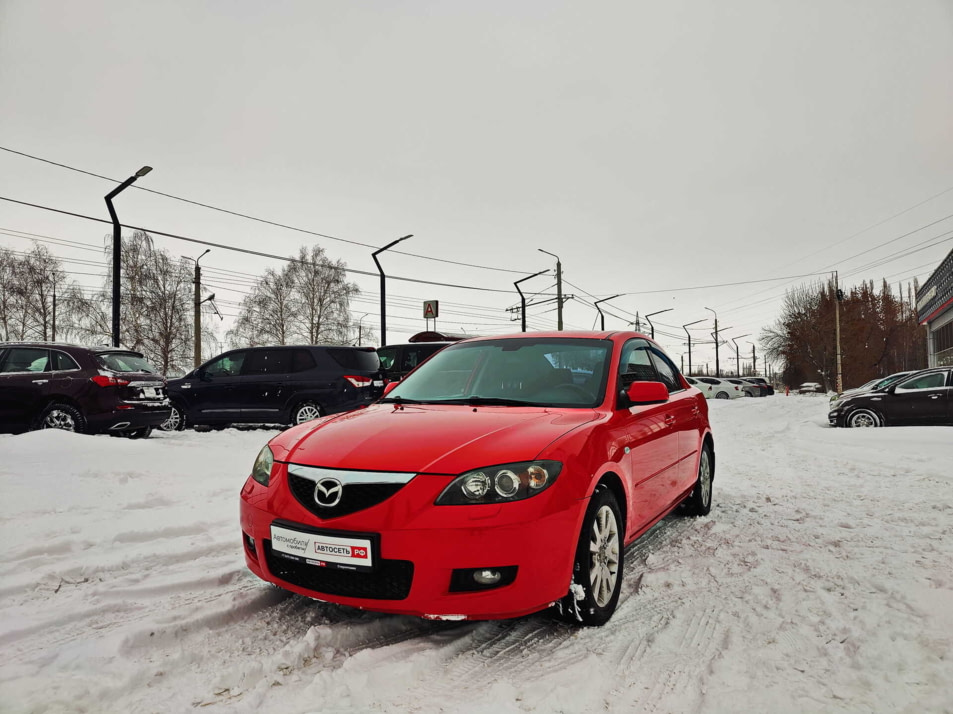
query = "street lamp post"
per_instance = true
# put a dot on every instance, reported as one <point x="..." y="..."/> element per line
<point x="523" y="297"/>
<point x="685" y="327"/>
<point x="717" y="367"/>
<point x="754" y="358"/>
<point x="657" y="312"/>
<point x="197" y="312"/>
<point x="737" y="356"/>
<point x="383" y="285"/>
<point x="559" y="289"/>
<point x="360" y="324"/>
<point x="602" y="318"/>
<point x="117" y="246"/>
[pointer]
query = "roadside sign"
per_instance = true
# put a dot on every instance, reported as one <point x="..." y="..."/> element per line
<point x="431" y="308"/>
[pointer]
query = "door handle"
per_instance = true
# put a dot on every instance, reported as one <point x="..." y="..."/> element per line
<point x="669" y="420"/>
<point x="40" y="381"/>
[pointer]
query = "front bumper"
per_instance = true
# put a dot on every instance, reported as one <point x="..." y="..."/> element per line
<point x="419" y="546"/>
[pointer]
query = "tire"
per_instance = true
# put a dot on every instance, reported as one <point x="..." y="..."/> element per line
<point x="176" y="420"/>
<point x="698" y="502"/>
<point x="863" y="418"/>
<point x="598" y="565"/>
<point x="306" y="411"/>
<point x="62" y="416"/>
<point x="722" y="395"/>
<point x="143" y="433"/>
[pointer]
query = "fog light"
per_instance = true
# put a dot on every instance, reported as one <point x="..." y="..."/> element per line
<point x="487" y="577"/>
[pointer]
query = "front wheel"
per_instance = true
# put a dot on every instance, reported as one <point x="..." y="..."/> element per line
<point x="597" y="569"/>
<point x="176" y="420"/>
<point x="142" y="433"/>
<point x="863" y="418"/>
<point x="698" y="502"/>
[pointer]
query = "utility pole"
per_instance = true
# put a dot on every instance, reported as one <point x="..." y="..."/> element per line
<point x="737" y="356"/>
<point x="197" y="313"/>
<point x="559" y="289"/>
<point x="54" y="306"/>
<point x="117" y="247"/>
<point x="685" y="327"/>
<point x="838" y="296"/>
<point x="754" y="360"/>
<point x="717" y="368"/>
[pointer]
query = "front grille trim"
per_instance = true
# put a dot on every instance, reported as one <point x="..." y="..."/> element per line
<point x="346" y="477"/>
<point x="360" y="489"/>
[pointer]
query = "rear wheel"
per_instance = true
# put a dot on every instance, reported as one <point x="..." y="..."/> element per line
<point x="306" y="411"/>
<point x="62" y="416"/>
<point x="597" y="569"/>
<point x="142" y="433"/>
<point x="699" y="502"/>
<point x="722" y="395"/>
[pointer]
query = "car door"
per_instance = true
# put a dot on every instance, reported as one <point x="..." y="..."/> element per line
<point x="649" y="437"/>
<point x="214" y="391"/>
<point x="684" y="415"/>
<point x="922" y="399"/>
<point x="24" y="383"/>
<point x="261" y="392"/>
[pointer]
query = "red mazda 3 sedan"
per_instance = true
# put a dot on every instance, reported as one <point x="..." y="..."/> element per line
<point x="503" y="476"/>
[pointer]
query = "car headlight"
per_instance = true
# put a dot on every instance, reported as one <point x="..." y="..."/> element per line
<point x="500" y="484"/>
<point x="261" y="471"/>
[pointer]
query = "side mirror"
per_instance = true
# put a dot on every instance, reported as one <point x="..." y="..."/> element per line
<point x="640" y="393"/>
<point x="203" y="375"/>
<point x="389" y="387"/>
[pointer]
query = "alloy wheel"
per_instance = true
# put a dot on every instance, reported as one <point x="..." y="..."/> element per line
<point x="604" y="548"/>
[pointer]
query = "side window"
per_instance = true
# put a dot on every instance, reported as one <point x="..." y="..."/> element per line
<point x="62" y="362"/>
<point x="387" y="356"/>
<point x="927" y="381"/>
<point x="26" y="359"/>
<point x="666" y="370"/>
<point x="229" y="365"/>
<point x="415" y="355"/>
<point x="266" y="362"/>
<point x="301" y="361"/>
<point x="636" y="365"/>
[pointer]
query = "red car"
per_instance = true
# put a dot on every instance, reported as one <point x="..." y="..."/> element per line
<point x="503" y="476"/>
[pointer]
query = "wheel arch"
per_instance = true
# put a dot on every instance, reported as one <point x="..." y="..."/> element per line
<point x="611" y="481"/>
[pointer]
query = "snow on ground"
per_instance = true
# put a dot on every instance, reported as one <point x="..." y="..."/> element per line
<point x="822" y="581"/>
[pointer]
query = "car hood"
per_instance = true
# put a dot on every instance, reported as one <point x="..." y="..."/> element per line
<point x="444" y="439"/>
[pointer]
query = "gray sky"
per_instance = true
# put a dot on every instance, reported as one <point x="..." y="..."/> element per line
<point x="653" y="146"/>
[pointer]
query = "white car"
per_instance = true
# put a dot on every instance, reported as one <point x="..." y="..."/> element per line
<point x="714" y="388"/>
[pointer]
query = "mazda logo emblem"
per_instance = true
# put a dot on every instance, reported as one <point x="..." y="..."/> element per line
<point x="328" y="492"/>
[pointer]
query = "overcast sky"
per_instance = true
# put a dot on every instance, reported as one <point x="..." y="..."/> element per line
<point x="658" y="148"/>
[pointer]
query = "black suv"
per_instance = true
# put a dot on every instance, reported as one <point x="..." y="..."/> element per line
<point x="275" y="385"/>
<point x="82" y="389"/>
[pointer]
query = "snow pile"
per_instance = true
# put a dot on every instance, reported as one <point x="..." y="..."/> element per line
<point x="821" y="581"/>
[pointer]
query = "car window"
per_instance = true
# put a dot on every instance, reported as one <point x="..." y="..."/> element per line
<point x="666" y="370"/>
<point x="124" y="362"/>
<point x="635" y="365"/>
<point x="387" y="356"/>
<point x="26" y="359"/>
<point x="62" y="361"/>
<point x="925" y="381"/>
<point x="264" y="362"/>
<point x="709" y="380"/>
<point x="301" y="361"/>
<point x="228" y="365"/>
<point x="363" y="360"/>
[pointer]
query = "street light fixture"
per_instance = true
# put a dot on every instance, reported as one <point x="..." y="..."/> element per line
<point x="117" y="246"/>
<point x="685" y="327"/>
<point x="657" y="312"/>
<point x="717" y="367"/>
<point x="559" y="289"/>
<point x="523" y="297"/>
<point x="360" y="336"/>
<point x="383" y="285"/>
<point x="754" y="358"/>
<point x="602" y="318"/>
<point x="737" y="358"/>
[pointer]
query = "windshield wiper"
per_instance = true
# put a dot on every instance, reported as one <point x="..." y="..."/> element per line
<point x="490" y="401"/>
<point x="401" y="400"/>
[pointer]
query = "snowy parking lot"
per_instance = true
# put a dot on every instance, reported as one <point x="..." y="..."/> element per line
<point x="822" y="581"/>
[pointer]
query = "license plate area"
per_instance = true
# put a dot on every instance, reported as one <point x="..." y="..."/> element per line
<point x="340" y="550"/>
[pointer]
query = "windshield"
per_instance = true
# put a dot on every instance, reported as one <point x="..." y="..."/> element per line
<point x="557" y="372"/>
<point x="125" y="362"/>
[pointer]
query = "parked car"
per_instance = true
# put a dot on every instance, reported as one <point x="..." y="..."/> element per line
<point x="275" y="385"/>
<point x="490" y="483"/>
<point x="398" y="359"/>
<point x="924" y="397"/>
<point x="716" y="388"/>
<point x="704" y="388"/>
<point x="810" y="388"/>
<point x="754" y="388"/>
<point x="746" y="388"/>
<point x="768" y="388"/>
<point x="46" y="385"/>
<point x="873" y="384"/>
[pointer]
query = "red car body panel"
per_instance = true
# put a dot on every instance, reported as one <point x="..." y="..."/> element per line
<point x="651" y="452"/>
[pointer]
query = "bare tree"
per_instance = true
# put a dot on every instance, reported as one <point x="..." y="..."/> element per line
<point x="35" y="297"/>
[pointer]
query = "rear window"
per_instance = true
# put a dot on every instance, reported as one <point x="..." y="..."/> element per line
<point x="355" y="359"/>
<point x="124" y="362"/>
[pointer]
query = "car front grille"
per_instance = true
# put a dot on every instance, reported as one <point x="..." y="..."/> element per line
<point x="358" y="489"/>
<point x="391" y="580"/>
